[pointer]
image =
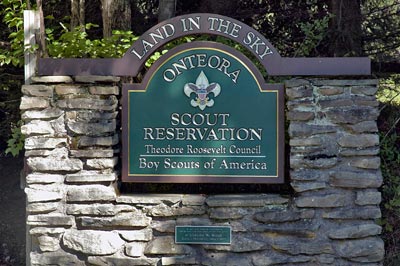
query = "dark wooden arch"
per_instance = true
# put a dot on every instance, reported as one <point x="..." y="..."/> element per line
<point x="203" y="23"/>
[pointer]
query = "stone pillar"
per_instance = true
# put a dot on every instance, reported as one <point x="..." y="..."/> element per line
<point x="70" y="129"/>
<point x="335" y="164"/>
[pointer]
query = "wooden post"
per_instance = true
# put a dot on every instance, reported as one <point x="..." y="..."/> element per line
<point x="31" y="26"/>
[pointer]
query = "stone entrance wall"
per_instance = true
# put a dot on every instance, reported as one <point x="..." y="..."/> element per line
<point x="76" y="216"/>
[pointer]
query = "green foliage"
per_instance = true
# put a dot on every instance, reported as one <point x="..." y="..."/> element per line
<point x="381" y="29"/>
<point x="11" y="53"/>
<point x="12" y="12"/>
<point x="12" y="56"/>
<point x="295" y="28"/>
<point x="390" y="155"/>
<point x="16" y="142"/>
<point x="389" y="90"/>
<point x="389" y="129"/>
<point x="76" y="43"/>
<point x="314" y="33"/>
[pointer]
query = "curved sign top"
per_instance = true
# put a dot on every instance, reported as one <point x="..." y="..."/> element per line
<point x="210" y="24"/>
<point x="200" y="23"/>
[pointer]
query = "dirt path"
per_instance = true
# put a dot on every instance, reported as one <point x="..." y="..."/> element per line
<point x="12" y="213"/>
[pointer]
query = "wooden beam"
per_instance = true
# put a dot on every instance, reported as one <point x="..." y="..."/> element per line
<point x="31" y="26"/>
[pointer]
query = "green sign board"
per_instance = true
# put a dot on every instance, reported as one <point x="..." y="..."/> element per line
<point x="203" y="234"/>
<point x="202" y="114"/>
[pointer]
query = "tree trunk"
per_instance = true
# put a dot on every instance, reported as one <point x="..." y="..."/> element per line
<point x="82" y="12"/>
<point x="116" y="15"/>
<point x="77" y="13"/>
<point x="345" y="28"/>
<point x="166" y="9"/>
<point x="41" y="36"/>
<point x="74" y="14"/>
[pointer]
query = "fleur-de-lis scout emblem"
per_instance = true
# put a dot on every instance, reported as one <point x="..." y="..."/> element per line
<point x="202" y="88"/>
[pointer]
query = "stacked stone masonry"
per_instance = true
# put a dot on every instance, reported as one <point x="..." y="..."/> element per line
<point x="76" y="216"/>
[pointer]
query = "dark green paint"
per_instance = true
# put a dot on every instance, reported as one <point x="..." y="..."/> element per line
<point x="203" y="235"/>
<point x="246" y="104"/>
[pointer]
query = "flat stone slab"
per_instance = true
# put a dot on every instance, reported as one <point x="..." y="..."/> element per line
<point x="98" y="209"/>
<point x="52" y="79"/>
<point x="93" y="79"/>
<point x="92" y="242"/>
<point x="362" y="250"/>
<point x="355" y="231"/>
<point x="44" y="143"/>
<point x="42" y="178"/>
<point x="90" y="177"/>
<point x="137" y="235"/>
<point x="38" y="90"/>
<point x="55" y="258"/>
<point x="120" y="221"/>
<point x="150" y="198"/>
<point x="36" y="195"/>
<point x="53" y="164"/>
<point x="164" y="245"/>
<point x="50" y="220"/>
<point x="90" y="193"/>
<point x="245" y="200"/>
<point x="118" y="260"/>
